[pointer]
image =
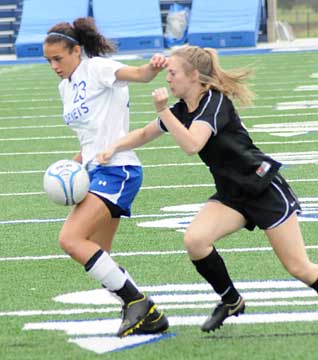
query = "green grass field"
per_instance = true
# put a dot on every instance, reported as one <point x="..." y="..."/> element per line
<point x="50" y="309"/>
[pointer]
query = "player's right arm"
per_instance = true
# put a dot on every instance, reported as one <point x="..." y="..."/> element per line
<point x="133" y="140"/>
<point x="143" y="73"/>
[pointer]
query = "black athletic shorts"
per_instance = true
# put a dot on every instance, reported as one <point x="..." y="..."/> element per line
<point x="115" y="210"/>
<point x="268" y="210"/>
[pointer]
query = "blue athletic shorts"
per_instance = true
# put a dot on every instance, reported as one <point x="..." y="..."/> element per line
<point x="117" y="186"/>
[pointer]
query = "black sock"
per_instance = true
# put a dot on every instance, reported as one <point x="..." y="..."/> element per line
<point x="128" y="292"/>
<point x="314" y="285"/>
<point x="214" y="271"/>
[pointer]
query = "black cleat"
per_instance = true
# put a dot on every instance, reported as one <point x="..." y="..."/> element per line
<point x="134" y="315"/>
<point x="221" y="312"/>
<point x="154" y="323"/>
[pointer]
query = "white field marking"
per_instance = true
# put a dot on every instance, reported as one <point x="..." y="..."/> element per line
<point x="183" y="219"/>
<point x="15" y="69"/>
<point x="298" y="96"/>
<point x="132" y="104"/>
<point x="290" y="155"/>
<point x="144" y="166"/>
<point x="162" y="187"/>
<point x="101" y="297"/>
<point x="275" y="115"/>
<point x="15" y="172"/>
<point x="22" y="172"/>
<point x="37" y="221"/>
<point x="58" y="116"/>
<point x="143" y="253"/>
<point x="146" y="148"/>
<point x="57" y="99"/>
<point x="261" y="90"/>
<point x="23" y="117"/>
<point x="295" y="105"/>
<point x="111" y="309"/>
<point x="107" y="344"/>
<point x="40" y="153"/>
<point x="76" y="150"/>
<point x="314" y="76"/>
<point x="178" y="296"/>
<point x="169" y="164"/>
<point x="109" y="326"/>
<point x="32" y="127"/>
<point x="42" y="138"/>
<point x="159" y="187"/>
<point x="54" y="126"/>
<point x="289" y="134"/>
<point x="307" y="88"/>
<point x="297" y="125"/>
<point x="309" y="209"/>
<point x="32" y="108"/>
<point x="245" y="117"/>
<point x="309" y="125"/>
<point x="49" y="99"/>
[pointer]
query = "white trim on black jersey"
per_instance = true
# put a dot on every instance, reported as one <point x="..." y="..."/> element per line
<point x="213" y="127"/>
<point x="216" y="114"/>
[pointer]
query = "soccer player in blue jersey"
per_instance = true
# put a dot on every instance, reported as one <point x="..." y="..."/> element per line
<point x="94" y="91"/>
<point x="250" y="191"/>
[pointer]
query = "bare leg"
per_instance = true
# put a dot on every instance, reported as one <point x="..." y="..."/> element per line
<point x="213" y="222"/>
<point x="88" y="228"/>
<point x="288" y="244"/>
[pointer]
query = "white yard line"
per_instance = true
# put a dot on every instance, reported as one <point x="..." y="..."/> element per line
<point x="143" y="253"/>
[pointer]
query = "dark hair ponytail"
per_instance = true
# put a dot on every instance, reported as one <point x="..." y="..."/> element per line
<point x="83" y="32"/>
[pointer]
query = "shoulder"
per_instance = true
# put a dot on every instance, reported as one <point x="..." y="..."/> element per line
<point x="214" y="100"/>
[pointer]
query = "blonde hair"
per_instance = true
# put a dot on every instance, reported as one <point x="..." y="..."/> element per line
<point x="212" y="76"/>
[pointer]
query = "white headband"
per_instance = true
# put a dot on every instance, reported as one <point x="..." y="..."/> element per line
<point x="63" y="36"/>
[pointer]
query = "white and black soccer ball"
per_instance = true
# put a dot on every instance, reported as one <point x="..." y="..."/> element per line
<point x="66" y="182"/>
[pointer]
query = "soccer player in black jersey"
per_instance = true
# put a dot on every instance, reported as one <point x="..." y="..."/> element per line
<point x="250" y="191"/>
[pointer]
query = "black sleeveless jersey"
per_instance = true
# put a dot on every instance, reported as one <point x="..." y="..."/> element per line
<point x="239" y="168"/>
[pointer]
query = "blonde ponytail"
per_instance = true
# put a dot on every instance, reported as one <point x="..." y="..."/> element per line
<point x="231" y="83"/>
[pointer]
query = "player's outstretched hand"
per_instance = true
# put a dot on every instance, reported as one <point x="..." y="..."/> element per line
<point x="105" y="156"/>
<point x="158" y="61"/>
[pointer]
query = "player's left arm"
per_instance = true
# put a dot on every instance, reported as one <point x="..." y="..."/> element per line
<point x="143" y="73"/>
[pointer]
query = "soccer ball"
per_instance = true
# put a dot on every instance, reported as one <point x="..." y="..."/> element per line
<point x="66" y="182"/>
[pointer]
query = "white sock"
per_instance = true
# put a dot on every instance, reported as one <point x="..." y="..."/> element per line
<point x="107" y="272"/>
<point x="128" y="276"/>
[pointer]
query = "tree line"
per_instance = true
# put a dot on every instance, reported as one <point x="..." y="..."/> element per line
<point x="289" y="4"/>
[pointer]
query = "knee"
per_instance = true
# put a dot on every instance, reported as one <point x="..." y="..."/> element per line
<point x="299" y="270"/>
<point x="66" y="242"/>
<point x="194" y="244"/>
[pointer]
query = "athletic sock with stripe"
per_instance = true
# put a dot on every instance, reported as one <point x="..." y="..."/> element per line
<point x="103" y="268"/>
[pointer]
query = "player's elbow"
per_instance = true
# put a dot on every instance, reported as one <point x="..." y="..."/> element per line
<point x="192" y="149"/>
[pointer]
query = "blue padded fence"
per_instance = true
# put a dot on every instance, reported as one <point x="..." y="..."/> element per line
<point x="223" y="24"/>
<point x="38" y="16"/>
